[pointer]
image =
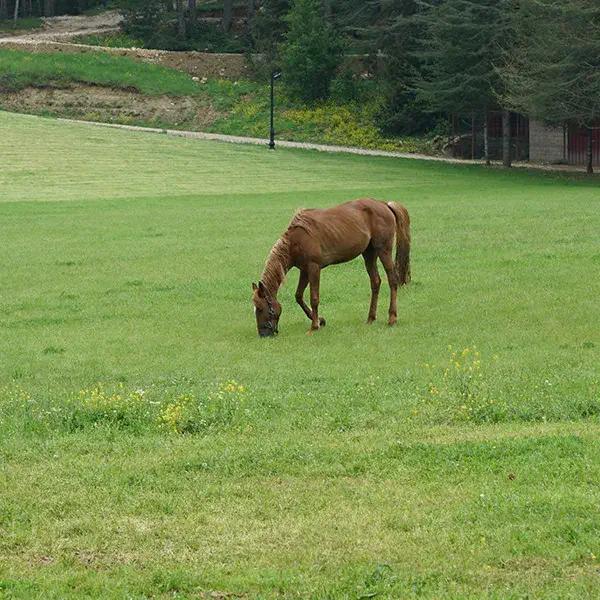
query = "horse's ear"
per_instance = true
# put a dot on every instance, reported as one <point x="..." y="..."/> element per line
<point x="254" y="287"/>
<point x="262" y="289"/>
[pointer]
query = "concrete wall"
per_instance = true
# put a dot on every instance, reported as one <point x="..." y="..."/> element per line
<point x="546" y="144"/>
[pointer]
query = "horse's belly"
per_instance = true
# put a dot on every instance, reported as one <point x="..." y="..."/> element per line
<point x="344" y="251"/>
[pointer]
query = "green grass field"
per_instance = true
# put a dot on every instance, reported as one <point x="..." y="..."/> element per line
<point x="151" y="446"/>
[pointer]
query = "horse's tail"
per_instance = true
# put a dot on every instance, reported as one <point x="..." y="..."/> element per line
<point x="402" y="242"/>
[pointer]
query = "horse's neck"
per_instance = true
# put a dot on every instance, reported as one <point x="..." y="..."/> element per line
<point x="276" y="267"/>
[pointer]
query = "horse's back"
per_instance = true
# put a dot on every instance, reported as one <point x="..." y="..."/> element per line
<point x="343" y="232"/>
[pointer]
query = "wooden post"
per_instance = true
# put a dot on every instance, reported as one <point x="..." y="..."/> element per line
<point x="473" y="136"/>
<point x="506" y="153"/>
<point x="486" y="141"/>
<point x="590" y="151"/>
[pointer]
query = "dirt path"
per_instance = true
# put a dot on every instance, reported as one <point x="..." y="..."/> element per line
<point x="61" y="29"/>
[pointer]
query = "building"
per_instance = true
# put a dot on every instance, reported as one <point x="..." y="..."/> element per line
<point x="531" y="140"/>
<point x="562" y="145"/>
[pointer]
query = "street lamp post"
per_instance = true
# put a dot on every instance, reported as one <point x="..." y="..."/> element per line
<point x="274" y="75"/>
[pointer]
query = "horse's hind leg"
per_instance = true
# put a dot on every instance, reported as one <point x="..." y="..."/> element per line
<point x="370" y="257"/>
<point x="388" y="265"/>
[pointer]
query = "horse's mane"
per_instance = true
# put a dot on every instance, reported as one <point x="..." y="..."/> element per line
<point x="277" y="263"/>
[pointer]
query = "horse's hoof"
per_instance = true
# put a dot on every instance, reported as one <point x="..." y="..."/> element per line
<point x="370" y="320"/>
<point x="322" y="322"/>
<point x="392" y="321"/>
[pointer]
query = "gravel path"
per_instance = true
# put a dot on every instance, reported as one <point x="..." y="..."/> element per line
<point x="57" y="29"/>
<point x="234" y="139"/>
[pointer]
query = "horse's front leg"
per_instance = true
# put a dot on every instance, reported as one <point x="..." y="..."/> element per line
<point x="302" y="283"/>
<point x="314" y="278"/>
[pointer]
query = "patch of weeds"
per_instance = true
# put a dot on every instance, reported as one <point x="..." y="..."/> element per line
<point x="13" y="398"/>
<point x="53" y="350"/>
<point x="119" y="407"/>
<point x="109" y="40"/>
<point x="459" y="389"/>
<point x="188" y="413"/>
<point x="466" y="388"/>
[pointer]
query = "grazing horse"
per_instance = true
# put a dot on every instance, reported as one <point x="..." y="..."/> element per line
<point x="317" y="238"/>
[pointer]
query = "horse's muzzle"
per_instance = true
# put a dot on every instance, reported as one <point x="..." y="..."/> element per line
<point x="268" y="332"/>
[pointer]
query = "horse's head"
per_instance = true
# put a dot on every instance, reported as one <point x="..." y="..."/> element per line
<point x="266" y="309"/>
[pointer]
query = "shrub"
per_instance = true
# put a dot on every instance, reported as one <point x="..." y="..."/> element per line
<point x="345" y="88"/>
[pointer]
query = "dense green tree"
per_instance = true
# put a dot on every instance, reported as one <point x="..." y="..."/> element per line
<point x="553" y="73"/>
<point x="311" y="53"/>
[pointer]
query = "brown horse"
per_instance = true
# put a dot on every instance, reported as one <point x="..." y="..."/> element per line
<point x="318" y="238"/>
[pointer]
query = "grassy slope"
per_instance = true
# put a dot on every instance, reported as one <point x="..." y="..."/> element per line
<point x="21" y="69"/>
<point x="343" y="474"/>
<point x="244" y="105"/>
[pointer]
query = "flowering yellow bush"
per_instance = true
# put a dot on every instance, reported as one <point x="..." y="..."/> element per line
<point x="349" y="126"/>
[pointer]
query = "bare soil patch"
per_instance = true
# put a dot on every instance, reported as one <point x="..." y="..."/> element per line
<point x="111" y="105"/>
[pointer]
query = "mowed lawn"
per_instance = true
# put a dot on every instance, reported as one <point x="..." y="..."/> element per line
<point x="151" y="446"/>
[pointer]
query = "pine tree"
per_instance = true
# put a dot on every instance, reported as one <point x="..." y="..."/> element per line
<point x="269" y="27"/>
<point x="463" y="45"/>
<point x="311" y="53"/>
<point x="396" y="32"/>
